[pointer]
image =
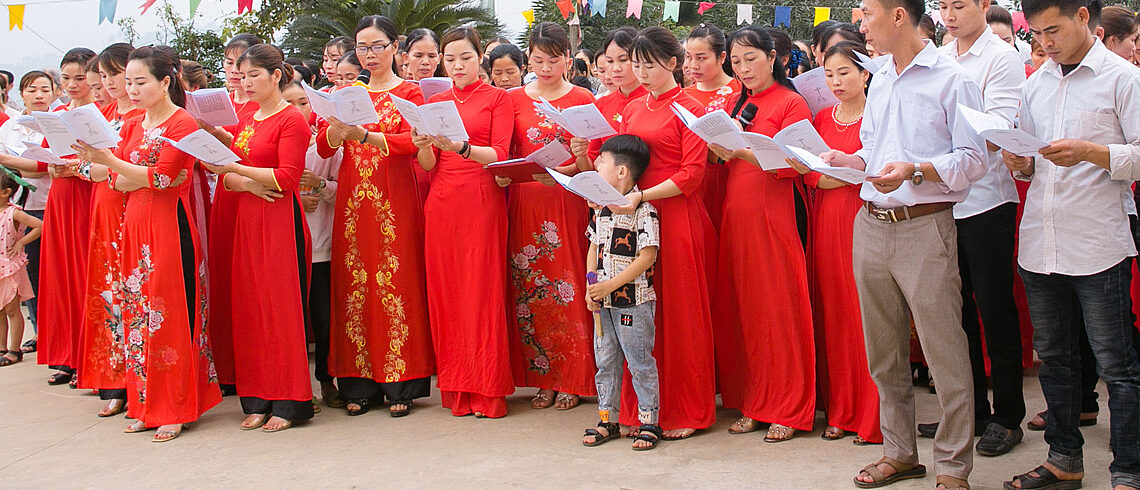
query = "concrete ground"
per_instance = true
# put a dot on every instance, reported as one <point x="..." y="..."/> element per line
<point x="51" y="438"/>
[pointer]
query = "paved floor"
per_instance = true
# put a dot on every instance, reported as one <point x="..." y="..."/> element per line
<point x="51" y="438"/>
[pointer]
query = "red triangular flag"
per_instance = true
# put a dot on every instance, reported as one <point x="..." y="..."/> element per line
<point x="244" y="5"/>
<point x="146" y="5"/>
<point x="565" y="6"/>
<point x="704" y="7"/>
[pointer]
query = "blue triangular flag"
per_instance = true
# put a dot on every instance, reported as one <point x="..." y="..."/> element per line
<point x="598" y="7"/>
<point x="783" y="16"/>
<point x="107" y="10"/>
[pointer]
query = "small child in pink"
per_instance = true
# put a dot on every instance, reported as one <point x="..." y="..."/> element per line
<point x="15" y="286"/>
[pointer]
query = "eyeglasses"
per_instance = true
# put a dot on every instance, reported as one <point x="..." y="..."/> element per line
<point x="375" y="48"/>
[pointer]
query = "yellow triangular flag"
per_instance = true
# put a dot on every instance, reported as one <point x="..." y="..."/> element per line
<point x="529" y="16"/>
<point x="16" y="17"/>
<point x="822" y="14"/>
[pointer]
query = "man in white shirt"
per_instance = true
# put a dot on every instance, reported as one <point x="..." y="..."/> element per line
<point x="1076" y="247"/>
<point x="922" y="158"/>
<point x="986" y="222"/>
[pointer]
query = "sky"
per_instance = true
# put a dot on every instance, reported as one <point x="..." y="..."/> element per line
<point x="51" y="27"/>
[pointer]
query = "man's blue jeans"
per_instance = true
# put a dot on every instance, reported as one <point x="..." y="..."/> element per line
<point x="1055" y="304"/>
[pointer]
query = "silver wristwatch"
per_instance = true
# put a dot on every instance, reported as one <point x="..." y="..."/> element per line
<point x="917" y="178"/>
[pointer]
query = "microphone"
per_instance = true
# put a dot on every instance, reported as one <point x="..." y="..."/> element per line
<point x="365" y="76"/>
<point x="747" y="114"/>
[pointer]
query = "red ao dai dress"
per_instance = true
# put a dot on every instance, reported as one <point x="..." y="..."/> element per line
<point x="380" y="340"/>
<point x="170" y="377"/>
<point x="716" y="175"/>
<point x="551" y="329"/>
<point x="465" y="249"/>
<point x="765" y="349"/>
<point x="683" y="345"/>
<point x="852" y="398"/>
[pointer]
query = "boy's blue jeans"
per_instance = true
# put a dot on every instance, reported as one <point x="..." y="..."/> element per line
<point x="1055" y="303"/>
<point x="627" y="334"/>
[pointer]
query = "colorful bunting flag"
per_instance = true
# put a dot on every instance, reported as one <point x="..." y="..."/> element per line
<point x="565" y="6"/>
<point x="672" y="11"/>
<point x="146" y="5"/>
<point x="1019" y="22"/>
<point x="194" y="7"/>
<point x="107" y="10"/>
<point x="856" y="15"/>
<point x="821" y="14"/>
<point x="245" y="6"/>
<point x="743" y="13"/>
<point x="529" y="16"/>
<point x="633" y="9"/>
<point x="703" y="7"/>
<point x="16" y="17"/>
<point x="783" y="16"/>
<point x="598" y="8"/>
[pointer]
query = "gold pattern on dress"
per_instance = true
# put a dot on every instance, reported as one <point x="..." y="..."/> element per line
<point x="368" y="159"/>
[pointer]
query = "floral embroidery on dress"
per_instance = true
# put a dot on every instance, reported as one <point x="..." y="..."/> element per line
<point x="533" y="286"/>
<point x="720" y="99"/>
<point x="145" y="318"/>
<point x="242" y="140"/>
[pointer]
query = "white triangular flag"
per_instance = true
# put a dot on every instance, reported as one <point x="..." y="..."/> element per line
<point x="743" y="13"/>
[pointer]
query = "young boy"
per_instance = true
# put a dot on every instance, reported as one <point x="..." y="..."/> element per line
<point x="623" y="248"/>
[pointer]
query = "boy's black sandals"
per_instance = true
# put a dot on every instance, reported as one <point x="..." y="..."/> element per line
<point x="648" y="433"/>
<point x="612" y="431"/>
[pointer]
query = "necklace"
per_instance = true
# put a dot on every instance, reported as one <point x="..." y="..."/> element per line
<point x="280" y="105"/>
<point x="842" y="126"/>
<point x="461" y="101"/>
<point x="670" y="99"/>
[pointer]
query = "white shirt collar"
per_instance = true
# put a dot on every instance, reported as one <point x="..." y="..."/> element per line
<point x="1093" y="60"/>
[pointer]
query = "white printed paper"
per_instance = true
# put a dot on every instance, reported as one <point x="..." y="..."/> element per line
<point x="996" y="130"/>
<point x="435" y="119"/>
<point x="771" y="152"/>
<point x="812" y="85"/>
<point x="584" y="121"/>
<point x="434" y="85"/>
<point x="212" y="106"/>
<point x="846" y="174"/>
<point x="590" y="186"/>
<point x="715" y="127"/>
<point x="550" y="155"/>
<point x="205" y="147"/>
<point x="871" y="64"/>
<point x="40" y="154"/>
<point x="65" y="128"/>
<point x="350" y="105"/>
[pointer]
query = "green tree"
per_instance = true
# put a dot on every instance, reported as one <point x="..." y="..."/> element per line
<point x="315" y="24"/>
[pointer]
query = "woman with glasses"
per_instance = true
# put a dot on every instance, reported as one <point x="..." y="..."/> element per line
<point x="379" y="340"/>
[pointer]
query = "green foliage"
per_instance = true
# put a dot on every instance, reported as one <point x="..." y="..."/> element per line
<point x="203" y="46"/>
<point x="314" y="24"/>
<point x="723" y="15"/>
<point x="266" y="21"/>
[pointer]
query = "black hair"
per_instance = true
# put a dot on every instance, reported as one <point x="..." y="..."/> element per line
<point x="496" y="39"/>
<point x="421" y="34"/>
<point x="243" y="42"/>
<point x="351" y="59"/>
<point x="999" y="15"/>
<point x="549" y="37"/>
<point x="658" y="44"/>
<point x="8" y="181"/>
<point x="345" y="44"/>
<point x="1117" y="22"/>
<point x="306" y="74"/>
<point x="915" y="9"/>
<point x="113" y="59"/>
<point x="848" y="49"/>
<point x="759" y="38"/>
<point x="462" y="33"/>
<point x="270" y="58"/>
<point x="783" y="44"/>
<point x="195" y="75"/>
<point x="381" y="23"/>
<point x="30" y="77"/>
<point x="507" y="51"/>
<point x="7" y="74"/>
<point x="77" y="55"/>
<point x="713" y="35"/>
<point x="1067" y="7"/>
<point x="849" y="33"/>
<point x="623" y="36"/>
<point x="629" y="151"/>
<point x="821" y="32"/>
<point x="163" y="62"/>
<point x="1096" y="9"/>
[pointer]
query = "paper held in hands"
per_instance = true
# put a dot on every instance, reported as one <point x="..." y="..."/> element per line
<point x="350" y="105"/>
<point x="65" y="128"/>
<point x="212" y="106"/>
<point x="434" y="85"/>
<point x="846" y="174"/>
<point x="812" y="84"/>
<point x="37" y="153"/>
<point x="584" y="121"/>
<point x="715" y="127"/>
<point x="590" y="186"/>
<point x="205" y="147"/>
<point x="523" y="169"/>
<point x="995" y="130"/>
<point x="435" y="119"/>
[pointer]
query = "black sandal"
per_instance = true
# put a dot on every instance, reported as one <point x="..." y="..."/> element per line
<point x="650" y="433"/>
<point x="1045" y="480"/>
<point x="59" y="378"/>
<point x="5" y="361"/>
<point x="401" y="413"/>
<point x="613" y="431"/>
<point x="364" y="404"/>
<point x="29" y="346"/>
<point x="74" y="382"/>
